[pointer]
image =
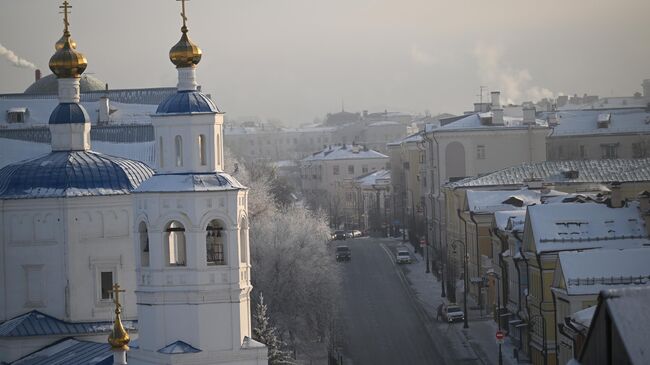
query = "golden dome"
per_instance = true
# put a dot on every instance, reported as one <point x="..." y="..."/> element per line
<point x="185" y="53"/>
<point x="59" y="44"/>
<point x="67" y="62"/>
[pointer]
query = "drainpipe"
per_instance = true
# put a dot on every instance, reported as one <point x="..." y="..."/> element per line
<point x="478" y="260"/>
<point x="523" y="257"/>
<point x="541" y="312"/>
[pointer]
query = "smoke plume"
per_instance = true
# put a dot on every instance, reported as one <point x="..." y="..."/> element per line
<point x="10" y="56"/>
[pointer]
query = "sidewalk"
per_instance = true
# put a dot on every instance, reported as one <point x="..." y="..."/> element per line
<point x="476" y="344"/>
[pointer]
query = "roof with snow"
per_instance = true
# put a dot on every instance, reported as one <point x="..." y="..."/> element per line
<point x="473" y="122"/>
<point x="589" y="272"/>
<point x="584" y="317"/>
<point x="50" y="85"/>
<point x="384" y="123"/>
<point x="36" y="323"/>
<point x="187" y="102"/>
<point x="413" y="138"/>
<point x="179" y="347"/>
<point x="588" y="122"/>
<point x="579" y="171"/>
<point x="344" y="152"/>
<point x="380" y="177"/>
<point x="618" y="102"/>
<point x="70" y="351"/>
<point x="490" y="201"/>
<point x="565" y="227"/>
<point x="185" y="182"/>
<point x="70" y="174"/>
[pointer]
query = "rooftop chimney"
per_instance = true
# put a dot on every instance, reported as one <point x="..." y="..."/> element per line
<point x="496" y="99"/>
<point x="37" y="75"/>
<point x="616" y="199"/>
<point x="529" y="115"/>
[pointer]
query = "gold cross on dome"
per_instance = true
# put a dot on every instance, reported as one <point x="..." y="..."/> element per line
<point x="66" y="6"/>
<point x="183" y="15"/>
<point x="116" y="296"/>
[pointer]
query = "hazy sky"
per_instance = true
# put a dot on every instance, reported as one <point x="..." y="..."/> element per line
<point x="298" y="59"/>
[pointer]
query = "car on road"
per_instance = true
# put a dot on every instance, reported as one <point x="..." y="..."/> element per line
<point x="339" y="235"/>
<point x="452" y="312"/>
<point x="403" y="257"/>
<point x="349" y="234"/>
<point x="356" y="233"/>
<point x="343" y="253"/>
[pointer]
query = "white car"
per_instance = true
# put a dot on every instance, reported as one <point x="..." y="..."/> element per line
<point x="403" y="257"/>
<point x="356" y="233"/>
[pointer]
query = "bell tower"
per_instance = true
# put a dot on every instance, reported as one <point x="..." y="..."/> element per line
<point x="191" y="239"/>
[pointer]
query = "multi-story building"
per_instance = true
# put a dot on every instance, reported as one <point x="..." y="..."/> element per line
<point x="374" y="192"/>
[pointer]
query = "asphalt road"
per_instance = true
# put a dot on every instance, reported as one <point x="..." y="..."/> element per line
<point x="381" y="321"/>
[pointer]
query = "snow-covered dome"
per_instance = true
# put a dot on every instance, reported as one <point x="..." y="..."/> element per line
<point x="50" y="85"/>
<point x="70" y="174"/>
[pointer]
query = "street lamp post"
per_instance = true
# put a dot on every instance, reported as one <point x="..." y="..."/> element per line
<point x="496" y="276"/>
<point x="453" y="244"/>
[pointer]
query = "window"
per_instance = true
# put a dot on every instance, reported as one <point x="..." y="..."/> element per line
<point x="106" y="278"/>
<point x="144" y="244"/>
<point x="480" y="152"/>
<point x="609" y="150"/>
<point x="364" y="169"/>
<point x="160" y="154"/>
<point x="214" y="247"/>
<point x="243" y="241"/>
<point x="336" y="170"/>
<point x="202" y="154"/>
<point x="582" y="151"/>
<point x="179" y="151"/>
<point x="351" y="169"/>
<point x="639" y="150"/>
<point x="218" y="149"/>
<point x="17" y="115"/>
<point x="175" y="245"/>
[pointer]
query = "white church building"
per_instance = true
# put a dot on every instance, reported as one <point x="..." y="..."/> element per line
<point x="75" y="222"/>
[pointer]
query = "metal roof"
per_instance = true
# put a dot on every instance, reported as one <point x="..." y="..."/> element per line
<point x="70" y="351"/>
<point x="187" y="102"/>
<point x="179" y="347"/>
<point x="71" y="173"/>
<point x="66" y="113"/>
<point x="36" y="323"/>
<point x="183" y="182"/>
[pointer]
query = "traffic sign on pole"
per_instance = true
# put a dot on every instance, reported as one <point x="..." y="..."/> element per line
<point x="423" y="242"/>
<point x="500" y="336"/>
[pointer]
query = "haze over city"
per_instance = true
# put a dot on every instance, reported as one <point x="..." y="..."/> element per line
<point x="297" y="60"/>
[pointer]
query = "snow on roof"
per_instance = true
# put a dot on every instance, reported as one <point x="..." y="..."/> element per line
<point x="628" y="309"/>
<point x="375" y="178"/>
<point x="384" y="123"/>
<point x="563" y="227"/>
<point x="586" y="171"/>
<point x="589" y="272"/>
<point x="163" y="183"/>
<point x="473" y="122"/>
<point x="510" y="220"/>
<point x="344" y="152"/>
<point x="416" y="137"/>
<point x="585" y="122"/>
<point x="490" y="201"/>
<point x="239" y="130"/>
<point x="70" y="351"/>
<point x="584" y="317"/>
<point x="618" y="102"/>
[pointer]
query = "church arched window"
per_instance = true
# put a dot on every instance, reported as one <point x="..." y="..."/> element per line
<point x="179" y="151"/>
<point x="243" y="241"/>
<point x="175" y="244"/>
<point x="144" y="244"/>
<point x="203" y="157"/>
<point x="214" y="244"/>
<point x="218" y="150"/>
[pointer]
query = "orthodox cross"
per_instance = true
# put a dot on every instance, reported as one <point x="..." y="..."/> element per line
<point x="183" y="12"/>
<point x="116" y="296"/>
<point x="66" y="5"/>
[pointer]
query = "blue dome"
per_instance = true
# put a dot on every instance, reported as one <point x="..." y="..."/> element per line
<point x="66" y="113"/>
<point x="70" y="174"/>
<point x="187" y="102"/>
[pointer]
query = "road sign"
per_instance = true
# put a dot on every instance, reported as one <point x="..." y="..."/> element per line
<point x="500" y="336"/>
<point x="423" y="242"/>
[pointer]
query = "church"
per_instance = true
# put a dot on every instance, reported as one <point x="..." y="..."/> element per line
<point x="80" y="227"/>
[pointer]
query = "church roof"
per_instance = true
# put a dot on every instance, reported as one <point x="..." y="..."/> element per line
<point x="179" y="347"/>
<point x="50" y="85"/>
<point x="187" y="102"/>
<point x="36" y="323"/>
<point x="71" y="173"/>
<point x="70" y="351"/>
<point x="185" y="182"/>
<point x="66" y="113"/>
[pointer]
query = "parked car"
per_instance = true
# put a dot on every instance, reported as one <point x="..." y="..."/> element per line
<point x="348" y="234"/>
<point x="452" y="312"/>
<point x="340" y="235"/>
<point x="356" y="233"/>
<point x="403" y="257"/>
<point x="343" y="253"/>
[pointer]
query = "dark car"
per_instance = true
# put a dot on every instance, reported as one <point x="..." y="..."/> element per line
<point x="343" y="253"/>
<point x="340" y="235"/>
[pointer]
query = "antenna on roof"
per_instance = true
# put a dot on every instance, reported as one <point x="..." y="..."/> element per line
<point x="342" y="105"/>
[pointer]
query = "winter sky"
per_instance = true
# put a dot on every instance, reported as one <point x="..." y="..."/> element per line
<point x="295" y="60"/>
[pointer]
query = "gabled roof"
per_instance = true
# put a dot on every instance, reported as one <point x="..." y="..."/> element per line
<point x="70" y="351"/>
<point x="585" y="122"/>
<point x="567" y="227"/>
<point x="490" y="201"/>
<point x="473" y="122"/>
<point x="344" y="152"/>
<point x="179" y="347"/>
<point x="374" y="178"/>
<point x="36" y="323"/>
<point x="564" y="172"/>
<point x="510" y="220"/>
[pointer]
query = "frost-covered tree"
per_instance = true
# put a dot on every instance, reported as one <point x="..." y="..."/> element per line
<point x="266" y="333"/>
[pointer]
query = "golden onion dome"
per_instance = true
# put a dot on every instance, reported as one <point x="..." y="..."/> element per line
<point x="67" y="62"/>
<point x="185" y="53"/>
<point x="59" y="44"/>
